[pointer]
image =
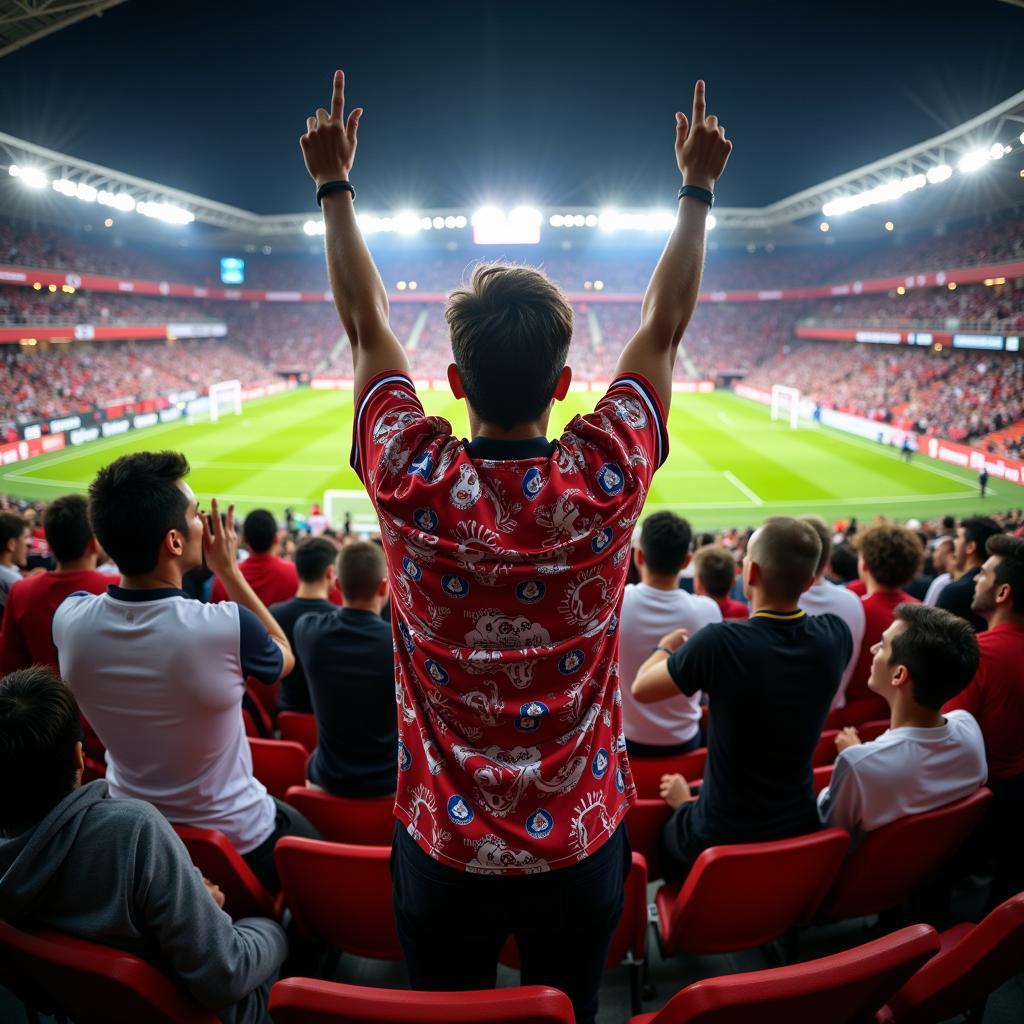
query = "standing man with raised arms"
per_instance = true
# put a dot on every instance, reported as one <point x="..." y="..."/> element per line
<point x="507" y="556"/>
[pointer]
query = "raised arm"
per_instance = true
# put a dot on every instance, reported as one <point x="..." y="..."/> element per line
<point x="702" y="151"/>
<point x="329" y="149"/>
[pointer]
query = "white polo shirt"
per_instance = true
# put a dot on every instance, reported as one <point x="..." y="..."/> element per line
<point x="936" y="587"/>
<point x="647" y="615"/>
<point x="826" y="598"/>
<point x="904" y="771"/>
<point x="160" y="677"/>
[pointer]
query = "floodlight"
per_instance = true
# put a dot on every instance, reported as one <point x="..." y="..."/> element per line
<point x="710" y="222"/>
<point x="64" y="187"/>
<point x="314" y="227"/>
<point x="823" y="226"/>
<point x="889" y="225"/>
<point x="85" y="192"/>
<point x="426" y="223"/>
<point x="119" y="200"/>
<point x="527" y="217"/>
<point x="439" y="222"/>
<point x="368" y="223"/>
<point x="598" y="285"/>
<point x="939" y="173"/>
<point x="607" y="219"/>
<point x="578" y="220"/>
<point x="405" y="222"/>
<point x="487" y="216"/>
<point x="401" y="286"/>
<point x="973" y="161"/>
<point x="166" y="212"/>
<point x="556" y="220"/>
<point x="590" y="220"/>
<point x="996" y="151"/>
<point x="449" y="222"/>
<point x="460" y="221"/>
<point x="30" y="177"/>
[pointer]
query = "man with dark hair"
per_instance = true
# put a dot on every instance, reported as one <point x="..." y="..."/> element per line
<point x="349" y="660"/>
<point x="14" y="537"/>
<point x="714" y="575"/>
<point x="943" y="564"/>
<point x="314" y="563"/>
<point x="26" y="637"/>
<point x="770" y="680"/>
<point x="971" y="537"/>
<point x="273" y="579"/>
<point x="161" y="676"/>
<point x="925" y="657"/>
<point x="113" y="871"/>
<point x="508" y="555"/>
<point x="842" y="564"/>
<point x="651" y="608"/>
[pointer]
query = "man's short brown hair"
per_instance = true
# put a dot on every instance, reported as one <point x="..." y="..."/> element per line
<point x="891" y="553"/>
<point x="716" y="569"/>
<point x="820" y="527"/>
<point x="510" y="338"/>
<point x="361" y="567"/>
<point x="787" y="552"/>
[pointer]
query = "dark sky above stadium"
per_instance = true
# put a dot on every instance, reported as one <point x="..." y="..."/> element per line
<point x="548" y="102"/>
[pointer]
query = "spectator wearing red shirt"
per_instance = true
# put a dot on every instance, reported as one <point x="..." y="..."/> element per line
<point x="508" y="556"/>
<point x="996" y="699"/>
<point x="26" y="637"/>
<point x="714" y="573"/>
<point x="14" y="538"/>
<point x="273" y="579"/>
<point x="889" y="556"/>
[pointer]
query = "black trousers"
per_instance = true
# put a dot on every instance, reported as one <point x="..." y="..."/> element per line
<point x="288" y="822"/>
<point x="452" y="924"/>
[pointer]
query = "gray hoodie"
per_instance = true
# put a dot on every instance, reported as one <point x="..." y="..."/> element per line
<point x="115" y="872"/>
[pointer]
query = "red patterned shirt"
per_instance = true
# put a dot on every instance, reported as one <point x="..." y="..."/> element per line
<point x="507" y="562"/>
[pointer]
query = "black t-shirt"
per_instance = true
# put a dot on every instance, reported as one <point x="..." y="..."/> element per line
<point x="294" y="694"/>
<point x="770" y="680"/>
<point x="956" y="597"/>
<point x="349" y="661"/>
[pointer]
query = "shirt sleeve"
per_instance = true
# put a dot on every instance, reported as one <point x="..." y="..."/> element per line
<point x="840" y="804"/>
<point x="14" y="652"/>
<point x="261" y="658"/>
<point x="693" y="665"/>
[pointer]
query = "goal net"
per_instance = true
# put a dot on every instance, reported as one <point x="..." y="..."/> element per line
<point x="225" y="398"/>
<point x="785" y="404"/>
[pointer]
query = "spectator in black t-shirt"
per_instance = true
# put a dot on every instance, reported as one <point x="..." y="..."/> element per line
<point x="969" y="550"/>
<point x="314" y="562"/>
<point x="770" y="681"/>
<point x="349" y="661"/>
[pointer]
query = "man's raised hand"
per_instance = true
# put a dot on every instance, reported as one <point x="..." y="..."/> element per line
<point x="702" y="150"/>
<point x="220" y="542"/>
<point x="329" y="144"/>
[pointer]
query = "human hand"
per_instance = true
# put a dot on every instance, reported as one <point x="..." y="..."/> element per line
<point x="220" y="541"/>
<point x="847" y="738"/>
<point x="674" y="640"/>
<point x="329" y="145"/>
<point x="214" y="891"/>
<point x="675" y="790"/>
<point x="702" y="150"/>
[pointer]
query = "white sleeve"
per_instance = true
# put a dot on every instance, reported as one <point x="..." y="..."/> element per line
<point x="840" y="805"/>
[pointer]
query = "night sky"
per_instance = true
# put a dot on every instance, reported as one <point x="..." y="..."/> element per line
<point x="552" y="103"/>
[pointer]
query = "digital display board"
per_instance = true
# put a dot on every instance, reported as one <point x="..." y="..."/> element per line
<point x="232" y="270"/>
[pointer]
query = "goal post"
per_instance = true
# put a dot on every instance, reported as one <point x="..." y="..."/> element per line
<point x="785" y="401"/>
<point x="225" y="397"/>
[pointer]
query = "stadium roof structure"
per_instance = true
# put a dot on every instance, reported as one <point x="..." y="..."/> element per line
<point x="927" y="167"/>
<point x="22" y="22"/>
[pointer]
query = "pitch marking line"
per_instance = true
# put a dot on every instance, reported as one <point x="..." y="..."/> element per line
<point x="806" y="503"/>
<point x="742" y="487"/>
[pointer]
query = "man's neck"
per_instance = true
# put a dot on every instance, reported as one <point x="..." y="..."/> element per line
<point x="760" y="601"/>
<point x="312" y="592"/>
<point x="364" y="606"/>
<point x="872" y="586"/>
<point x="163" y="577"/>
<point x="86" y="564"/>
<point x="658" y="582"/>
<point x="1005" y="617"/>
<point x="521" y="431"/>
<point x="7" y="559"/>
<point x="905" y="714"/>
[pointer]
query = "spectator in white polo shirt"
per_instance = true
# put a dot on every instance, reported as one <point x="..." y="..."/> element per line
<point x="650" y="609"/>
<point x="824" y="597"/>
<point x="161" y="676"/>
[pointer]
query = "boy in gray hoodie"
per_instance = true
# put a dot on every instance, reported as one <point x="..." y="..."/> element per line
<point x="113" y="871"/>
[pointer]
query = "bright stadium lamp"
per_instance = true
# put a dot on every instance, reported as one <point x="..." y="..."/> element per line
<point x="169" y="213"/>
<point x="30" y="177"/>
<point x="460" y="221"/>
<point x="972" y="161"/>
<point x="405" y="222"/>
<point x="85" y="192"/>
<point x="556" y="220"/>
<point x="590" y="220"/>
<point x="314" y="227"/>
<point x="939" y="173"/>
<point x="710" y="222"/>
<point x="996" y="151"/>
<point x="487" y="216"/>
<point x="64" y="187"/>
<point x="118" y="200"/>
<point x="438" y="223"/>
<point x="608" y="219"/>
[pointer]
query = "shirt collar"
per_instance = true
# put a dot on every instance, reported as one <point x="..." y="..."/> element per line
<point x="147" y="594"/>
<point x="766" y="613"/>
<point x="499" y="449"/>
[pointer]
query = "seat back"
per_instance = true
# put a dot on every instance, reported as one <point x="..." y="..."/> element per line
<point x="305" y="1001"/>
<point x="260" y="719"/>
<point x="822" y="777"/>
<point x="340" y="894"/>
<point x="645" y="821"/>
<point x="825" y="752"/>
<point x="278" y="764"/>
<point x="212" y="852"/>
<point x="265" y="695"/>
<point x="873" y="729"/>
<point x="341" y="819"/>
<point x="298" y="726"/>
<point x="92" y="983"/>
<point x="968" y="970"/>
<point x="846" y="988"/>
<point x="748" y="894"/>
<point x="647" y="771"/>
<point x="892" y="861"/>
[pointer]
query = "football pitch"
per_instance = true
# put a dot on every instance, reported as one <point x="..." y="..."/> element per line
<point x="729" y="464"/>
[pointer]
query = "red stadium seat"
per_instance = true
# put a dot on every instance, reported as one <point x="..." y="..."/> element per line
<point x="644" y="821"/>
<point x="266" y="695"/>
<point x="845" y="988"/>
<point x="825" y="752"/>
<point x="892" y="861"/>
<point x="973" y="962"/>
<point x="339" y="894"/>
<point x="647" y="771"/>
<point x="253" y="704"/>
<point x="278" y="764"/>
<point x="91" y="983"/>
<point x="822" y="777"/>
<point x="244" y="894"/>
<point x="93" y="770"/>
<point x="748" y="894"/>
<point x="340" y="819"/>
<point x="305" y="1001"/>
<point x="250" y="724"/>
<point x="297" y="726"/>
<point x="873" y="729"/>
<point x="857" y="712"/>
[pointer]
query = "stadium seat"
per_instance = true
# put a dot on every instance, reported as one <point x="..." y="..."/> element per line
<point x="297" y="726"/>
<point x="629" y="942"/>
<point x="305" y="1001"/>
<point x="250" y="723"/>
<point x="845" y="988"/>
<point x="822" y="777"/>
<point x="266" y="695"/>
<point x="55" y="973"/>
<point x="339" y="894"/>
<point x="93" y="770"/>
<point x="825" y="752"/>
<point x="644" y="821"/>
<point x="974" y="961"/>
<point x="873" y="729"/>
<point x="244" y="894"/>
<point x="340" y="819"/>
<point x="647" y="771"/>
<point x="278" y="764"/>
<point x="261" y="722"/>
<point x="892" y="861"/>
<point x="748" y="894"/>
<point x="856" y="713"/>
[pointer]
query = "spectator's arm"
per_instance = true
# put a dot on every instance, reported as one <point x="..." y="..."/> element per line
<point x="840" y="804"/>
<point x="656" y="678"/>
<point x="701" y="153"/>
<point x="329" y="149"/>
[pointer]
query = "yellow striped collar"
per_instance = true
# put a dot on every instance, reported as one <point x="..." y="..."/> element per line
<point x="798" y="613"/>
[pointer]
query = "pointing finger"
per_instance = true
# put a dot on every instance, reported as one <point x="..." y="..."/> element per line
<point x="338" y="96"/>
<point x="699" y="105"/>
<point x="214" y="518"/>
<point x="231" y="519"/>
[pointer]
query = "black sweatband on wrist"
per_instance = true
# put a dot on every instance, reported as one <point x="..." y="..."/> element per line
<point x="664" y="649"/>
<point x="705" y="195"/>
<point x="333" y="186"/>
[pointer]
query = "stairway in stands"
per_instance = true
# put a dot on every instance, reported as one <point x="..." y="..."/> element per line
<point x="1005" y="440"/>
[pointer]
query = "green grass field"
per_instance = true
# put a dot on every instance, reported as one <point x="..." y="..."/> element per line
<point x="729" y="464"/>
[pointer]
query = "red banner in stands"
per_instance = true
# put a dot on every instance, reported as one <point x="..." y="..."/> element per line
<point x="21" y="450"/>
<point x="1000" y="468"/>
<point x="82" y="332"/>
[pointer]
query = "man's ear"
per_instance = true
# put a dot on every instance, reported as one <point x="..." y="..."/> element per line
<point x="899" y="678"/>
<point x="687" y="560"/>
<point x="754" y="575"/>
<point x="455" y="381"/>
<point x="382" y="588"/>
<point x="174" y="543"/>
<point x="562" y="387"/>
<point x="78" y="760"/>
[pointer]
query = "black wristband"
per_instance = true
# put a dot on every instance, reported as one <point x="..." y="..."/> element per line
<point x="333" y="186"/>
<point x="664" y="649"/>
<point x="705" y="195"/>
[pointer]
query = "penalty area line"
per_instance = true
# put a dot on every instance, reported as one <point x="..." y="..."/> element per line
<point x="742" y="487"/>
